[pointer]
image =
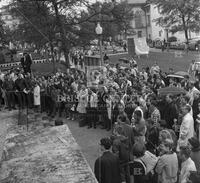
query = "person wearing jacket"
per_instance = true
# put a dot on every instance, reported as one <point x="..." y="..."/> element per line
<point x="187" y="127"/>
<point x="195" y="154"/>
<point x="187" y="165"/>
<point x="107" y="167"/>
<point x="167" y="166"/>
<point x="91" y="108"/>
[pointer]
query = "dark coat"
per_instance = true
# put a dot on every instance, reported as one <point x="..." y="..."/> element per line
<point x="152" y="139"/>
<point x="20" y="84"/>
<point x="170" y="113"/>
<point x="28" y="60"/>
<point x="8" y="85"/>
<point x="107" y="168"/>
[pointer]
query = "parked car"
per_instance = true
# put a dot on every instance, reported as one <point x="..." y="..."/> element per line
<point x="178" y="45"/>
<point x="194" y="44"/>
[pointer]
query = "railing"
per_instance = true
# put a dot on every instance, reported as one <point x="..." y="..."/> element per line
<point x="14" y="64"/>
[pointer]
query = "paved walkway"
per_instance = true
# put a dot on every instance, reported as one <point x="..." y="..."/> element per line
<point x="6" y="119"/>
<point x="88" y="139"/>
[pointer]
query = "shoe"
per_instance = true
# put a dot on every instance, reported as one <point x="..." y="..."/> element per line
<point x="95" y="127"/>
<point x="68" y="118"/>
<point x="73" y="119"/>
<point x="89" y="127"/>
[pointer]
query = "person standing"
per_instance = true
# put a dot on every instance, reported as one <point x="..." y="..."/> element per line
<point x="26" y="62"/>
<point x="167" y="166"/>
<point x="107" y="166"/>
<point x="20" y="85"/>
<point x="82" y="104"/>
<point x="187" y="127"/>
<point x="8" y="85"/>
<point x="36" y="93"/>
<point x="187" y="164"/>
<point x="92" y="108"/>
<point x="154" y="113"/>
<point x="191" y="70"/>
<point x="170" y="113"/>
<point x="195" y="154"/>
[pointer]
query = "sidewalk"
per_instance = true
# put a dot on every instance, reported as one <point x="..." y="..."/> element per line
<point x="44" y="152"/>
<point x="6" y="119"/>
<point x="157" y="50"/>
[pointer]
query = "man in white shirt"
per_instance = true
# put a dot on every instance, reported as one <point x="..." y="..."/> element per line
<point x="187" y="127"/>
<point x="192" y="91"/>
<point x="191" y="70"/>
<point x="187" y="164"/>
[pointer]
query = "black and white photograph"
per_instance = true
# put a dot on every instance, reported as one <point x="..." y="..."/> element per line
<point x="99" y="91"/>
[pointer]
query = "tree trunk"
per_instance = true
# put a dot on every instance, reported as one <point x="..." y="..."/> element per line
<point x="63" y="34"/>
<point x="185" y="29"/>
<point x="53" y="58"/>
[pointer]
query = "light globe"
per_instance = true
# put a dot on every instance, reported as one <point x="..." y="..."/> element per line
<point x="99" y="29"/>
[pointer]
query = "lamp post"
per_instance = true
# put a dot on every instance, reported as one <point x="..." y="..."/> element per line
<point x="99" y="32"/>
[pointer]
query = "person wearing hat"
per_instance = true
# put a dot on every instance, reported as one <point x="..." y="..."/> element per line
<point x="107" y="167"/>
<point x="195" y="154"/>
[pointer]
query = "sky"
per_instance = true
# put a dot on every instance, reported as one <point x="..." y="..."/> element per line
<point x="3" y="2"/>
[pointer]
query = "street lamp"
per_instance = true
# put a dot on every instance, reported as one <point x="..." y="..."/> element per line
<point x="99" y="31"/>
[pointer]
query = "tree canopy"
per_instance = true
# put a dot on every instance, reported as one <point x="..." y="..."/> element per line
<point x="74" y="21"/>
<point x="179" y="15"/>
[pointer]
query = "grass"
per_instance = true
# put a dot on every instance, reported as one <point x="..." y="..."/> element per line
<point x="165" y="60"/>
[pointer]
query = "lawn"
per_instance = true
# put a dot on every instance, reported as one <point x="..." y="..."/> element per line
<point x="165" y="60"/>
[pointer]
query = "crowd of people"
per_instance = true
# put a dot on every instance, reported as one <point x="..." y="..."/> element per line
<point x="155" y="138"/>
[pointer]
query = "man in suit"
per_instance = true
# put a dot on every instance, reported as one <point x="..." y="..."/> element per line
<point x="26" y="62"/>
<point x="107" y="169"/>
<point x="19" y="86"/>
<point x="91" y="109"/>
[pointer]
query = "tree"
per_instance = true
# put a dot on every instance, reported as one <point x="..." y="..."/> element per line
<point x="114" y="18"/>
<point x="42" y="19"/>
<point x="179" y="15"/>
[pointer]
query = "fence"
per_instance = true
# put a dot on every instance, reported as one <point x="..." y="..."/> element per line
<point x="15" y="64"/>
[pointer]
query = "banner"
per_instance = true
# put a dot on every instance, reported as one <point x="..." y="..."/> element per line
<point x="141" y="47"/>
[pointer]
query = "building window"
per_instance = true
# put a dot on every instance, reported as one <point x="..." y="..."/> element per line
<point x="148" y="20"/>
<point x="160" y="33"/>
<point x="149" y="36"/>
<point x="139" y="34"/>
<point x="138" y="19"/>
<point x="148" y="9"/>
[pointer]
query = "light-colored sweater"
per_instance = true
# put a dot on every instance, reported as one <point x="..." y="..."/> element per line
<point x="167" y="168"/>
